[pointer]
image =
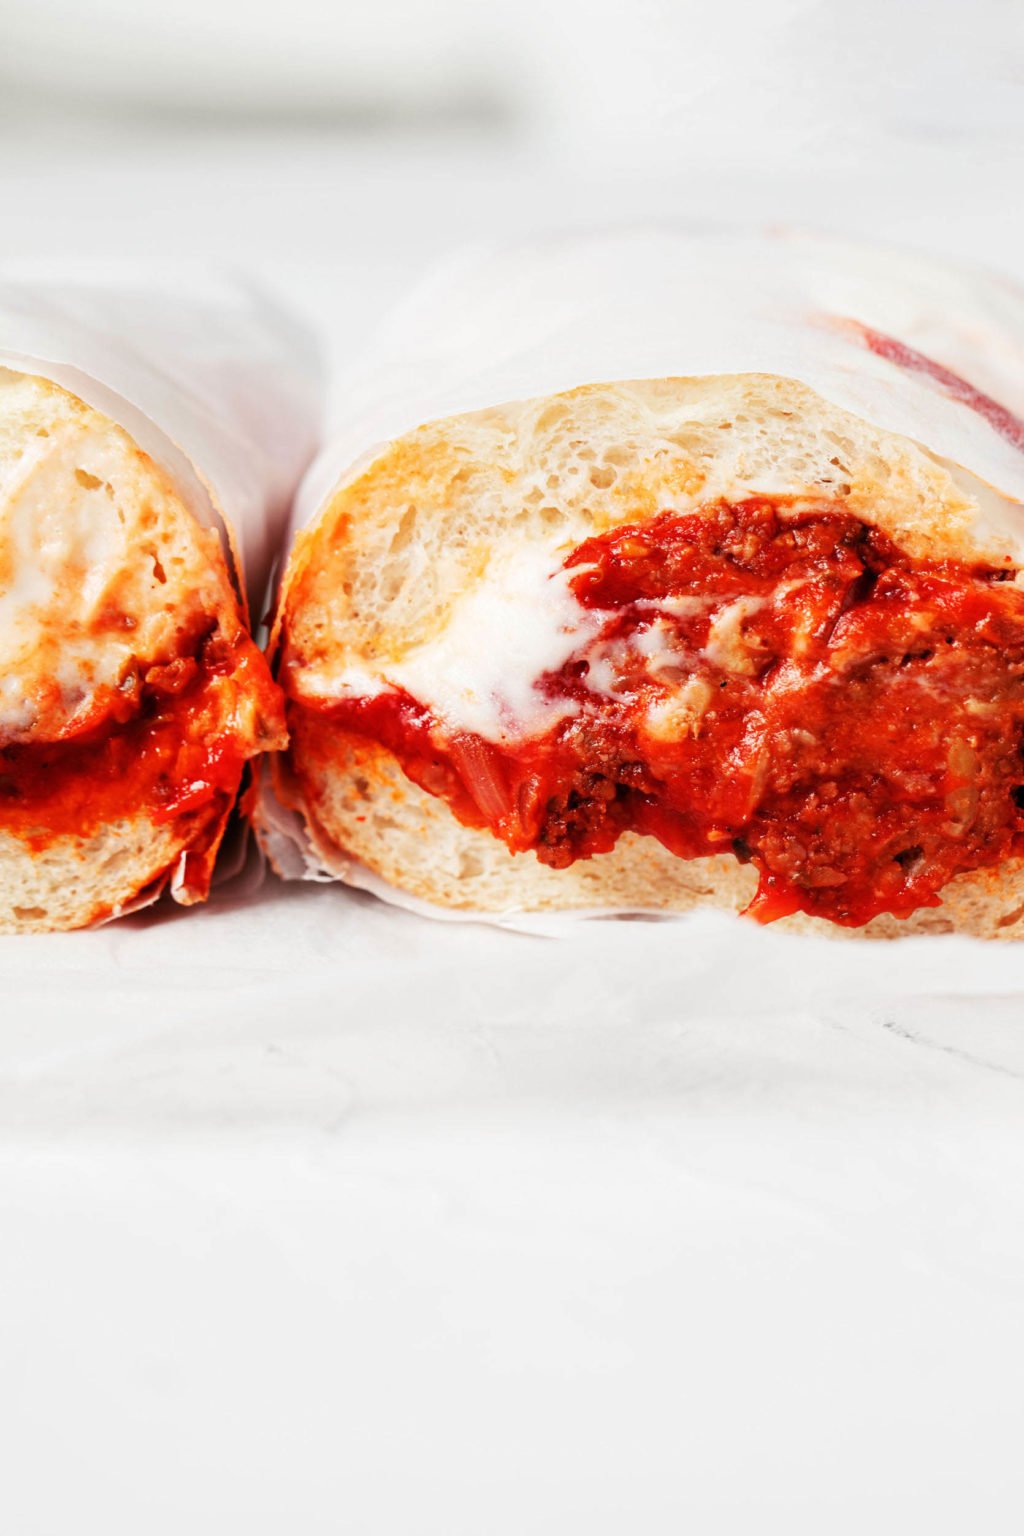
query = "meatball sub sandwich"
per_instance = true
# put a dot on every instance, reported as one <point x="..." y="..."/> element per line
<point x="683" y="572"/>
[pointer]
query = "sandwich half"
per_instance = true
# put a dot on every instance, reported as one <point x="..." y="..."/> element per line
<point x="131" y="694"/>
<point x="673" y="641"/>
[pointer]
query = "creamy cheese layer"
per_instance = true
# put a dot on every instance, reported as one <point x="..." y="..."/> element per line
<point x="101" y="569"/>
<point x="519" y="621"/>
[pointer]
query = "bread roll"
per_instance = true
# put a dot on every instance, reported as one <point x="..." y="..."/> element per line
<point x="678" y="640"/>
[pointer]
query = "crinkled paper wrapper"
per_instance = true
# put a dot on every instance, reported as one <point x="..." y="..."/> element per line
<point x="218" y="388"/>
<point x="496" y="325"/>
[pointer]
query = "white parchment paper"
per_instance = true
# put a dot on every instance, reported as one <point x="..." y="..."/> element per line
<point x="494" y="324"/>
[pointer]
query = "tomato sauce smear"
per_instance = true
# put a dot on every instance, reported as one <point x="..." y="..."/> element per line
<point x="772" y="680"/>
<point x="175" y="749"/>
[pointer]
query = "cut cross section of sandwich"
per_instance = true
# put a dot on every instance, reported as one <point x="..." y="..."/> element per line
<point x="131" y="694"/>
<point x="669" y="642"/>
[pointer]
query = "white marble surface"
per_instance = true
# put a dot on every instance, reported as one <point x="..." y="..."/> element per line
<point x="316" y="1217"/>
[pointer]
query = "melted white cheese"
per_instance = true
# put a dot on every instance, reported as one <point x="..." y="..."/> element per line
<point x="725" y="646"/>
<point x="60" y="540"/>
<point x="483" y="673"/>
<point x="679" y="713"/>
<point x="518" y="623"/>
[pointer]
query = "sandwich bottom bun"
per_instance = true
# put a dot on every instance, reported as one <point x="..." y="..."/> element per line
<point x="74" y="881"/>
<point x="441" y="585"/>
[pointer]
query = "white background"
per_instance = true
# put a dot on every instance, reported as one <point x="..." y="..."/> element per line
<point x="316" y="1217"/>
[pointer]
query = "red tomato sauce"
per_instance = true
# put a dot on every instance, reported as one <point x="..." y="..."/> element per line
<point x="782" y="684"/>
<point x="180" y="753"/>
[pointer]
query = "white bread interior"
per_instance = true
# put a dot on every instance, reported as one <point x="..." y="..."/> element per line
<point x="396" y="547"/>
<point x="101" y="564"/>
<point x="75" y="881"/>
<point x="121" y="576"/>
